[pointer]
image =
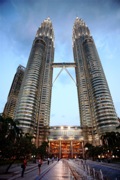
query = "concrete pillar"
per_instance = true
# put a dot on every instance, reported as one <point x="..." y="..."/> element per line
<point x="71" y="148"/>
<point x="49" y="148"/>
<point x="60" y="149"/>
<point x="83" y="149"/>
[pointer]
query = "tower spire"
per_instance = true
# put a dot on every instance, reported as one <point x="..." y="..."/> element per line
<point x="46" y="29"/>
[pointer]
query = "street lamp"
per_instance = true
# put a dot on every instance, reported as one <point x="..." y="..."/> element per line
<point x="86" y="148"/>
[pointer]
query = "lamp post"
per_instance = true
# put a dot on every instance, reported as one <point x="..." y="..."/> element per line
<point x="86" y="148"/>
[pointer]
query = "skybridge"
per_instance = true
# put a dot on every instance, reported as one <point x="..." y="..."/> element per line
<point x="64" y="66"/>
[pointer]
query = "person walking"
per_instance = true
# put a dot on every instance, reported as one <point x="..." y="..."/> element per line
<point x="23" y="166"/>
<point x="52" y="159"/>
<point x="39" y="165"/>
<point x="48" y="160"/>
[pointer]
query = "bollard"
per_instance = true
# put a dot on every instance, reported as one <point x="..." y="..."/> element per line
<point x="88" y="170"/>
<point x="85" y="167"/>
<point x="101" y="175"/>
<point x="93" y="172"/>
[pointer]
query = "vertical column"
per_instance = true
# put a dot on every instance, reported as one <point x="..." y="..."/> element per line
<point x="49" y="148"/>
<point x="71" y="148"/>
<point x="83" y="150"/>
<point x="60" y="149"/>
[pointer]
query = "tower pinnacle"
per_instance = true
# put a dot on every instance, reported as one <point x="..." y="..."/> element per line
<point x="46" y="29"/>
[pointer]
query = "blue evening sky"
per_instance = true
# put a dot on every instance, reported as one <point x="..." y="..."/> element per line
<point x="19" y="21"/>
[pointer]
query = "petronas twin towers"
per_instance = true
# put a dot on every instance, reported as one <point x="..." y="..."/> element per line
<point x="96" y="107"/>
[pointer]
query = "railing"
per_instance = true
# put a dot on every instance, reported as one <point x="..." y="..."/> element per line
<point x="96" y="175"/>
<point x="87" y="172"/>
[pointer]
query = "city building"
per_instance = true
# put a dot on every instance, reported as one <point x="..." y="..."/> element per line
<point x="96" y="107"/>
<point x="13" y="93"/>
<point x="33" y="107"/>
<point x="97" y="112"/>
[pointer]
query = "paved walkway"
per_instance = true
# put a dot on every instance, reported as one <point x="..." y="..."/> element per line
<point x="15" y="171"/>
<point x="58" y="172"/>
<point x="54" y="171"/>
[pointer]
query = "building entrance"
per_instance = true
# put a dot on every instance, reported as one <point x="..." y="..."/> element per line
<point x="66" y="149"/>
<point x="66" y="142"/>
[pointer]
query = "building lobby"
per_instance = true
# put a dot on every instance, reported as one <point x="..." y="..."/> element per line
<point x="66" y="141"/>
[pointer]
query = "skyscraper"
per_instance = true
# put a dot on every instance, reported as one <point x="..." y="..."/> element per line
<point x="97" y="112"/>
<point x="95" y="103"/>
<point x="33" y="107"/>
<point x="13" y="93"/>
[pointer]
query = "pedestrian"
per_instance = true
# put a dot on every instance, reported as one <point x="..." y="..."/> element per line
<point x="39" y="165"/>
<point x="48" y="160"/>
<point x="52" y="159"/>
<point x="23" y="166"/>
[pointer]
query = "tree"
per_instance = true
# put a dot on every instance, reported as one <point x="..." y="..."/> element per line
<point x="89" y="150"/>
<point x="111" y="142"/>
<point x="93" y="151"/>
<point x="42" y="150"/>
<point x="9" y="134"/>
<point x="14" y="144"/>
<point x="111" y="139"/>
